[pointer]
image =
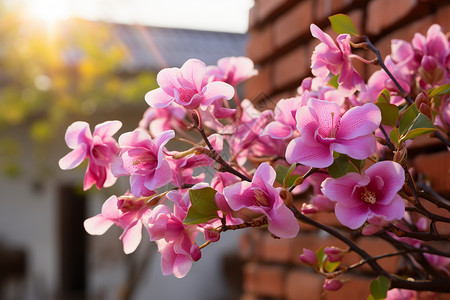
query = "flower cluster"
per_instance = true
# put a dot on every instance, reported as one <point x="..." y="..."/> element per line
<point x="340" y="138"/>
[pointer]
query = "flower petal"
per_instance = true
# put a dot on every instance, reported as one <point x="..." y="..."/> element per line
<point x="77" y="133"/>
<point x="393" y="211"/>
<point x="214" y="91"/>
<point x="317" y="156"/>
<point x="359" y="121"/>
<point x="352" y="217"/>
<point x="358" y="148"/>
<point x="158" y="98"/>
<point x="282" y="222"/>
<point x="97" y="225"/>
<point x="108" y="128"/>
<point x="73" y="158"/>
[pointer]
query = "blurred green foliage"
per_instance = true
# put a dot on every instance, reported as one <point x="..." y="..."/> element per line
<point x="54" y="72"/>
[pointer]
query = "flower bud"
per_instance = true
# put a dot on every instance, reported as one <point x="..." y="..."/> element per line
<point x="195" y="252"/>
<point x="287" y="197"/>
<point x="211" y="234"/>
<point x="332" y="284"/>
<point x="334" y="254"/>
<point x="308" y="209"/>
<point x="308" y="257"/>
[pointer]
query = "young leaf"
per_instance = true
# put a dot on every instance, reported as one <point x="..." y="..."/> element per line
<point x="203" y="208"/>
<point x="393" y="135"/>
<point x="339" y="167"/>
<point x="334" y="81"/>
<point x="384" y="97"/>
<point x="284" y="176"/>
<point x="379" y="287"/>
<point x="389" y="112"/>
<point x="343" y="24"/>
<point x="441" y="90"/>
<point x="356" y="165"/>
<point x="331" y="266"/>
<point x="420" y="126"/>
<point x="408" y="118"/>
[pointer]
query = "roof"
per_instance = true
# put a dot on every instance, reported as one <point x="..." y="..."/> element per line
<point x="155" y="48"/>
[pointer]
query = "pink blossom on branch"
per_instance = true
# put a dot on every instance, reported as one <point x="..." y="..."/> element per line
<point x="187" y="86"/>
<point x="329" y="57"/>
<point x="126" y="212"/>
<point x="323" y="130"/>
<point x="360" y="197"/>
<point x="261" y="197"/>
<point x="99" y="148"/>
<point x="232" y="70"/>
<point x="143" y="159"/>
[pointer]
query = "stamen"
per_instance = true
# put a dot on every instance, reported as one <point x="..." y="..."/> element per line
<point x="261" y="198"/>
<point x="368" y="196"/>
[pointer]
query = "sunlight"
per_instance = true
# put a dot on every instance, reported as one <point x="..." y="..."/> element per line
<point x="49" y="11"/>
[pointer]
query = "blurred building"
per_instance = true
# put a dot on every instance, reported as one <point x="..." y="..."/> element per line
<point x="44" y="251"/>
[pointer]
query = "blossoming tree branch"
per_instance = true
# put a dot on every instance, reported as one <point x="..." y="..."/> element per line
<point x="342" y="137"/>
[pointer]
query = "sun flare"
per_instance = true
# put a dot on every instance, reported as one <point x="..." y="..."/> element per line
<point x="49" y="11"/>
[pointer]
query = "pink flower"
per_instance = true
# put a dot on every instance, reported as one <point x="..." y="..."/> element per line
<point x="360" y="197"/>
<point x="323" y="131"/>
<point x="158" y="120"/>
<point x="333" y="253"/>
<point x="125" y="212"/>
<point x="187" y="86"/>
<point x="175" y="240"/>
<point x="100" y="149"/>
<point x="261" y="197"/>
<point x="329" y="57"/>
<point x="143" y="159"/>
<point x="232" y="70"/>
<point x="284" y="125"/>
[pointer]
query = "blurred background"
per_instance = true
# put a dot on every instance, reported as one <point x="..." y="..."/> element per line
<point x="93" y="60"/>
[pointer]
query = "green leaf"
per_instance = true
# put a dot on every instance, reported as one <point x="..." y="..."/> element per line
<point x="389" y="112"/>
<point x="331" y="266"/>
<point x="284" y="176"/>
<point x="339" y="167"/>
<point x="420" y="125"/>
<point x="370" y="297"/>
<point x="393" y="135"/>
<point x="379" y="287"/>
<point x="203" y="208"/>
<point x="384" y="97"/>
<point x="356" y="165"/>
<point x="441" y="90"/>
<point x="334" y="81"/>
<point x="321" y="256"/>
<point x="407" y="119"/>
<point x="343" y="24"/>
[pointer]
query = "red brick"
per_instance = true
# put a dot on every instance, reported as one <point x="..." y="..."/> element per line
<point x="385" y="13"/>
<point x="259" y="85"/>
<point x="321" y="10"/>
<point x="293" y="24"/>
<point x="442" y="18"/>
<point x="276" y="250"/>
<point x="291" y="68"/>
<point x="249" y="244"/>
<point x="265" y="8"/>
<point x="260" y="44"/>
<point x="436" y="167"/>
<point x="303" y="285"/>
<point x="263" y="280"/>
<point x="357" y="17"/>
<point x="375" y="247"/>
<point x="353" y="288"/>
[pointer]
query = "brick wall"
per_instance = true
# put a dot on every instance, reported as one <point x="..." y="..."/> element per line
<point x="281" y="45"/>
